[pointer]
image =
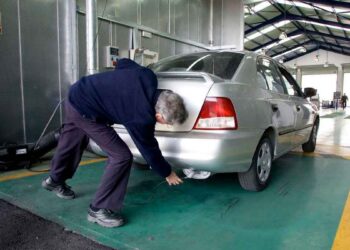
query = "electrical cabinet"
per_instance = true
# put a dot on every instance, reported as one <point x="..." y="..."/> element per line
<point x="111" y="56"/>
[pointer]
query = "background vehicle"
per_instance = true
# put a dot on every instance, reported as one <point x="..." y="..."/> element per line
<point x="316" y="100"/>
<point x="244" y="111"/>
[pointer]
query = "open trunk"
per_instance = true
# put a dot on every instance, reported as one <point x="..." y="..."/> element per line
<point x="193" y="87"/>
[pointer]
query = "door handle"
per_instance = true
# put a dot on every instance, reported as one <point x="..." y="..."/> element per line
<point x="298" y="107"/>
<point x="274" y="107"/>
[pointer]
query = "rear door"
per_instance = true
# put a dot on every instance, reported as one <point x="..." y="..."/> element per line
<point x="283" y="115"/>
<point x="303" y="109"/>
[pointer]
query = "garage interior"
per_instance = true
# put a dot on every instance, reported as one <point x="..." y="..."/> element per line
<point x="46" y="45"/>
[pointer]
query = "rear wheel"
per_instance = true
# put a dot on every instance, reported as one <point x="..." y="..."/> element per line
<point x="257" y="177"/>
<point x="310" y="145"/>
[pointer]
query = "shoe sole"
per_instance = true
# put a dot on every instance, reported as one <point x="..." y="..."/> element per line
<point x="44" y="185"/>
<point x="104" y="224"/>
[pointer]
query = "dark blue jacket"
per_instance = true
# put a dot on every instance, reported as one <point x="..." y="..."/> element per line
<point x="124" y="96"/>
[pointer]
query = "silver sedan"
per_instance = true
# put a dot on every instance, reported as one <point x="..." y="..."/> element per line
<point x="245" y="110"/>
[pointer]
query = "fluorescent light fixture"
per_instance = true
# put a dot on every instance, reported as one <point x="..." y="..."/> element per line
<point x="302" y="49"/>
<point x="281" y="23"/>
<point x="324" y="25"/>
<point x="287" y="52"/>
<point x="308" y="6"/>
<point x="265" y="4"/>
<point x="266" y="30"/>
<point x="270" y="28"/>
<point x="261" y="6"/>
<point x="278" y="43"/>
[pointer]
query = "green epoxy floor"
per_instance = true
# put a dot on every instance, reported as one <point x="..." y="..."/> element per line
<point x="301" y="208"/>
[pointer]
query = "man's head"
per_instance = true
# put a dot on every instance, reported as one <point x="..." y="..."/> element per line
<point x="170" y="108"/>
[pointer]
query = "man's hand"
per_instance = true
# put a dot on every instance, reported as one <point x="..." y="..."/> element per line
<point x="173" y="179"/>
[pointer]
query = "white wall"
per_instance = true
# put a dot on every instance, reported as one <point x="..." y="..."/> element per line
<point x="309" y="59"/>
<point x="338" y="60"/>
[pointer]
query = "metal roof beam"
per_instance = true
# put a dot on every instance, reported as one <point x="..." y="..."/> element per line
<point x="263" y="24"/>
<point x="333" y="45"/>
<point x="317" y="33"/>
<point x="323" y="47"/>
<point x="291" y="48"/>
<point x="284" y="11"/>
<point x="310" y="19"/>
<point x="334" y="50"/>
<point x="329" y="3"/>
<point x="293" y="33"/>
<point x="300" y="55"/>
<point x="319" y="44"/>
<point x="296" y="18"/>
<point x="328" y="29"/>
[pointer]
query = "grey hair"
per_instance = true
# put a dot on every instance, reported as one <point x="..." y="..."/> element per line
<point x="171" y="106"/>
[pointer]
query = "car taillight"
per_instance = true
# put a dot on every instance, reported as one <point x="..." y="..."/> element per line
<point x="217" y="113"/>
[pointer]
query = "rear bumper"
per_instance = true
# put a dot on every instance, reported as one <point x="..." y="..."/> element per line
<point x="217" y="152"/>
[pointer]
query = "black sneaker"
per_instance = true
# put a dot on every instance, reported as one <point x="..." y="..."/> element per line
<point x="62" y="190"/>
<point x="105" y="218"/>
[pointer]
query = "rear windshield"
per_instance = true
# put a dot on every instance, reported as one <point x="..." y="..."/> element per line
<point x="221" y="64"/>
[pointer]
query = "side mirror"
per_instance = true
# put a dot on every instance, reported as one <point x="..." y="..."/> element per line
<point x="309" y="92"/>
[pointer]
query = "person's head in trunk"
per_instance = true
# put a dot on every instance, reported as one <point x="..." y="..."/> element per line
<point x="170" y="108"/>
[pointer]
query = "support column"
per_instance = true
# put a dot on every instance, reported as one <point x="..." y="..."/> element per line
<point x="91" y="37"/>
<point x="299" y="76"/>
<point x="211" y="23"/>
<point x="340" y="79"/>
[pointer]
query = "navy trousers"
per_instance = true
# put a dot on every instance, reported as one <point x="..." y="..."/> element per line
<point x="74" y="139"/>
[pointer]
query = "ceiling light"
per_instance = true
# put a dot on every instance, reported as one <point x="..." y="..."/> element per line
<point x="317" y="58"/>
<point x="283" y="36"/>
<point x="326" y="63"/>
<point x="302" y="49"/>
<point x="266" y="30"/>
<point x="279" y="42"/>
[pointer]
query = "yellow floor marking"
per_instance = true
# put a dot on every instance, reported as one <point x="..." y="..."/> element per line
<point x="342" y="238"/>
<point x="323" y="150"/>
<point x="28" y="173"/>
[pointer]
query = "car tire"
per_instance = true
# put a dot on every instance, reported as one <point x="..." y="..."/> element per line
<point x="258" y="175"/>
<point x="310" y="145"/>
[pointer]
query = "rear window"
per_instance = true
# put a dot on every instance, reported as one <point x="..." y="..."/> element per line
<point x="221" y="64"/>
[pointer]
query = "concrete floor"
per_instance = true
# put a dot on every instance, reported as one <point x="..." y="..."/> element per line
<point x="306" y="205"/>
<point x="22" y="230"/>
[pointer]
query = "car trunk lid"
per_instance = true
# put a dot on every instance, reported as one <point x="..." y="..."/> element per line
<point x="193" y="87"/>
